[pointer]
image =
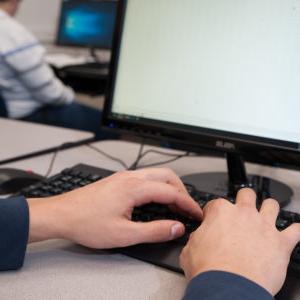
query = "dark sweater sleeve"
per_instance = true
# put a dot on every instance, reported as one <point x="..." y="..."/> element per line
<point x="14" y="228"/>
<point x="218" y="285"/>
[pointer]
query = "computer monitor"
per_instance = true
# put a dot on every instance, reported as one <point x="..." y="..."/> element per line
<point x="87" y="23"/>
<point x="218" y="75"/>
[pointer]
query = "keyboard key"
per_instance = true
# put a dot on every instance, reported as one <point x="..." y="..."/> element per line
<point x="296" y="254"/>
<point x="281" y="224"/>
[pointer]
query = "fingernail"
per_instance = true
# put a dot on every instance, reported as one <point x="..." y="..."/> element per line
<point x="176" y="230"/>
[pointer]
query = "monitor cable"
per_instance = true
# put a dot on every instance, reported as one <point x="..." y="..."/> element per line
<point x="134" y="166"/>
<point x="118" y="160"/>
<point x="52" y="161"/>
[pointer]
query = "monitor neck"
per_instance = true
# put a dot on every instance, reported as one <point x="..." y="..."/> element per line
<point x="237" y="175"/>
<point x="93" y="55"/>
<point x="227" y="184"/>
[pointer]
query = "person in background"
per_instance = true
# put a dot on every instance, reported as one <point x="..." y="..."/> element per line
<point x="236" y="253"/>
<point x="28" y="86"/>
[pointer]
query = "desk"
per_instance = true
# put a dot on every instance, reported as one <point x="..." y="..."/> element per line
<point x="19" y="139"/>
<point x="62" y="270"/>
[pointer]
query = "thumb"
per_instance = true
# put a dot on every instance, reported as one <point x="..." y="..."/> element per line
<point x="157" y="231"/>
<point x="292" y="235"/>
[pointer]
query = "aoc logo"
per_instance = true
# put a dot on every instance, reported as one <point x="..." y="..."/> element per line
<point x="225" y="145"/>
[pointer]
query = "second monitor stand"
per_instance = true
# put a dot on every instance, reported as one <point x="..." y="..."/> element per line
<point x="93" y="55"/>
<point x="227" y="184"/>
<point x="93" y="58"/>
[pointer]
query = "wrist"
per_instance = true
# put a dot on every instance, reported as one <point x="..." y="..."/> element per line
<point x="46" y="219"/>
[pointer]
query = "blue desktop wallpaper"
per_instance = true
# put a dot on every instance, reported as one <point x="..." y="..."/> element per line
<point x="89" y="23"/>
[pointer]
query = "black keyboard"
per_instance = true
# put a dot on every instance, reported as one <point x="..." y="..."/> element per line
<point x="162" y="254"/>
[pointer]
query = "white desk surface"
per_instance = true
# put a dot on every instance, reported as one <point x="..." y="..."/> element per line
<point x="19" y="138"/>
<point x="61" y="270"/>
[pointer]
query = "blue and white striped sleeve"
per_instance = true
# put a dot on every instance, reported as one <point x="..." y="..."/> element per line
<point x="29" y="65"/>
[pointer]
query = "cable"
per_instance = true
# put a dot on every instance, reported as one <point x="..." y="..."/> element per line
<point x="142" y="155"/>
<point x="121" y="162"/>
<point x="139" y="156"/>
<point x="166" y="161"/>
<point x="59" y="148"/>
<point x="175" y="155"/>
<point x="65" y="145"/>
<point x="51" y="163"/>
<point x="133" y="166"/>
<point x="163" y="153"/>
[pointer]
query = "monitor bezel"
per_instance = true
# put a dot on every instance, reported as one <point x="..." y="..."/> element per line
<point x="58" y="41"/>
<point x="190" y="138"/>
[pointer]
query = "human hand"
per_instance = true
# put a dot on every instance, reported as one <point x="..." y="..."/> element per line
<point x="239" y="239"/>
<point x="99" y="215"/>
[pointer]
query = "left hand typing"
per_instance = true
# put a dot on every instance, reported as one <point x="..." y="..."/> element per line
<point x="99" y="215"/>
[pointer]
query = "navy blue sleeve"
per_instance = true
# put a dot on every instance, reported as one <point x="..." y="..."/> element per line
<point x="14" y="228"/>
<point x="218" y="285"/>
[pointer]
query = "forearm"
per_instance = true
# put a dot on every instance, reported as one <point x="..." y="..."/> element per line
<point x="45" y="87"/>
<point x="38" y="78"/>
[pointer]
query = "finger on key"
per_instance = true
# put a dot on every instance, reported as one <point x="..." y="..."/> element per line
<point x="270" y="210"/>
<point x="246" y="197"/>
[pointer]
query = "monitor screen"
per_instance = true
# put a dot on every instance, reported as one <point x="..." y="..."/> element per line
<point x="221" y="74"/>
<point x="88" y="23"/>
<point x="225" y="65"/>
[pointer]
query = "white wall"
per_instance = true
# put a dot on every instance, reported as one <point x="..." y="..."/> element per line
<point x="40" y="16"/>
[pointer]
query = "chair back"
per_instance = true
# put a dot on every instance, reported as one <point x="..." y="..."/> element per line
<point x="3" y="110"/>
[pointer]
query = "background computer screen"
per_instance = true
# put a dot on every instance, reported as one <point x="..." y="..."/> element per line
<point x="87" y="23"/>
<point x="232" y="66"/>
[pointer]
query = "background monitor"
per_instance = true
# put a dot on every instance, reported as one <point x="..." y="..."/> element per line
<point x="87" y="23"/>
<point x="221" y="75"/>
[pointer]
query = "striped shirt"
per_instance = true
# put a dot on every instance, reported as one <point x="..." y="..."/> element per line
<point x="27" y="83"/>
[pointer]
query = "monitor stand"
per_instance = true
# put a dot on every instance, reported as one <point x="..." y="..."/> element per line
<point x="96" y="60"/>
<point x="93" y="54"/>
<point x="227" y="184"/>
